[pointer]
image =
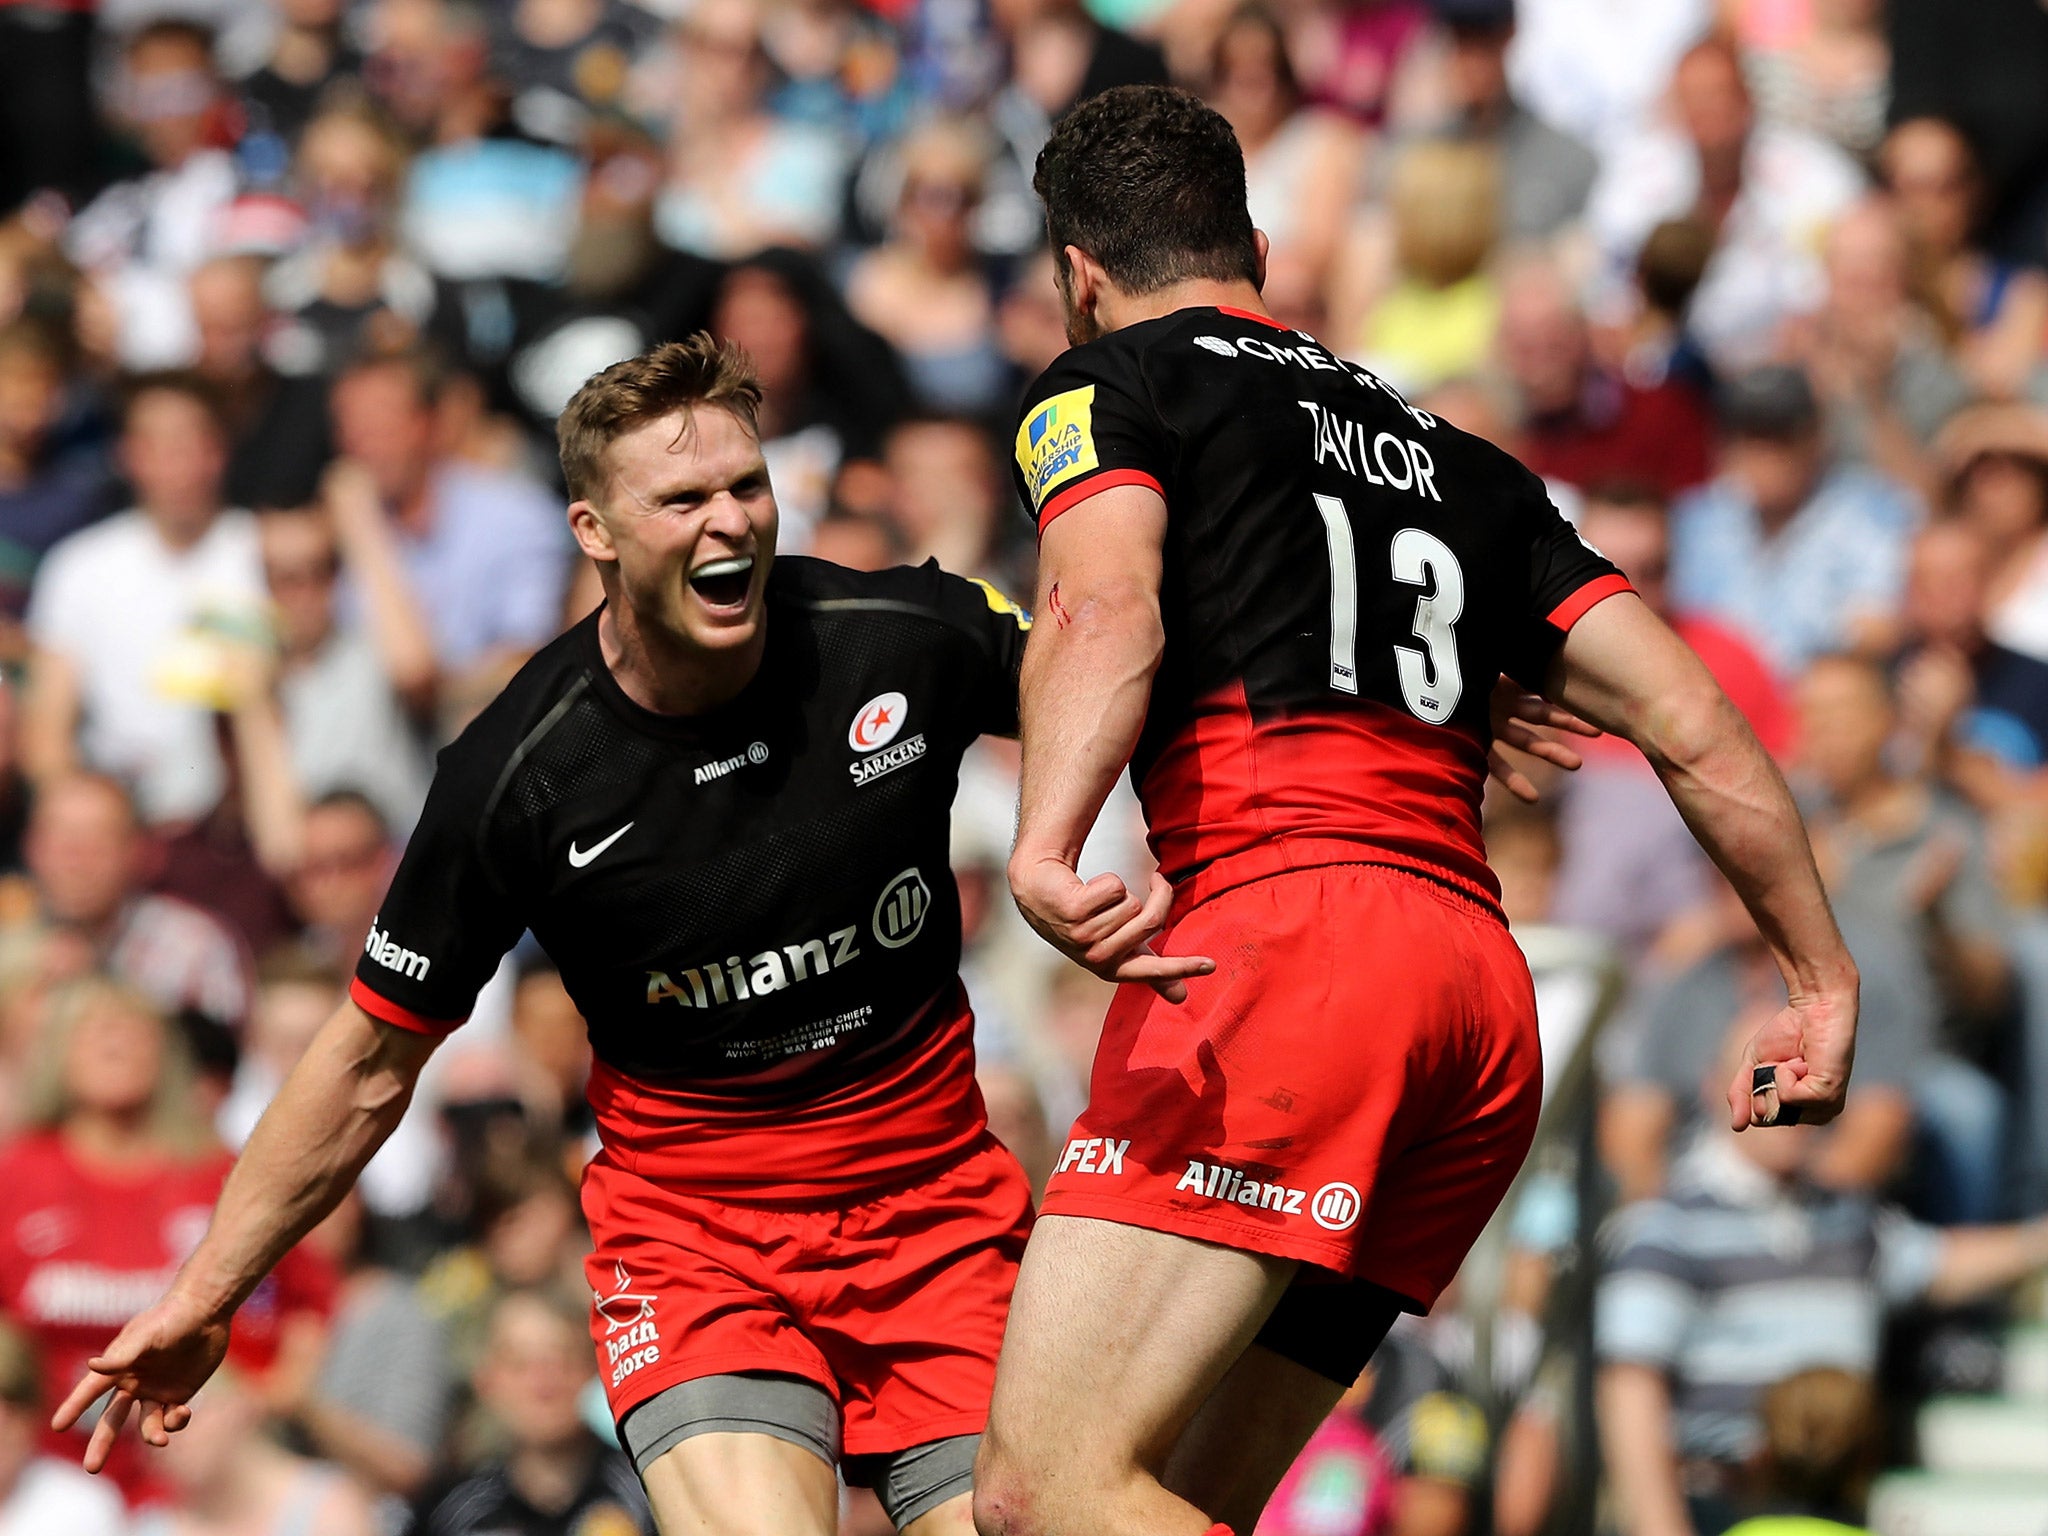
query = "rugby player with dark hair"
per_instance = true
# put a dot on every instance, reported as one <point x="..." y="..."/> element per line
<point x="1281" y="594"/>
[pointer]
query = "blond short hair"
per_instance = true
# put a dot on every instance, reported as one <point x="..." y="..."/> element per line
<point x="1446" y="206"/>
<point x="675" y="376"/>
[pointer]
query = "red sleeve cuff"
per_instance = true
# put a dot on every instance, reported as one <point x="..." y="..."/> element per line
<point x="1094" y="485"/>
<point x="1576" y="607"/>
<point x="384" y="1010"/>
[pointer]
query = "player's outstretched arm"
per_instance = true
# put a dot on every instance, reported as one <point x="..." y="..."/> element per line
<point x="1623" y="669"/>
<point x="1086" y="682"/>
<point x="336" y="1108"/>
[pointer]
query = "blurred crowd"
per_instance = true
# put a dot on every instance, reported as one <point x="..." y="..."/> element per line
<point x="290" y="294"/>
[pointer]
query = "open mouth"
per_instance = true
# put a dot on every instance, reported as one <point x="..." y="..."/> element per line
<point x="724" y="583"/>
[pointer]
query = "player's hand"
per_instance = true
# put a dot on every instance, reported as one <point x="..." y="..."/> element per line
<point x="157" y="1363"/>
<point x="1099" y="924"/>
<point x="1514" y="715"/>
<point x="1810" y="1043"/>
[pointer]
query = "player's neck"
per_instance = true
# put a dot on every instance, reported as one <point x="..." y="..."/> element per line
<point x="670" y="677"/>
<point x="1114" y="310"/>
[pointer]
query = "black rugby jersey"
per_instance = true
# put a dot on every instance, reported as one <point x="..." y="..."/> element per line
<point x="753" y="908"/>
<point x="1345" y="576"/>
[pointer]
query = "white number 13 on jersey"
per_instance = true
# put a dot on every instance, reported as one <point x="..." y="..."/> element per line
<point x="1431" y="683"/>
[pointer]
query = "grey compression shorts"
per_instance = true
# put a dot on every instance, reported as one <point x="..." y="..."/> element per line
<point x="909" y="1483"/>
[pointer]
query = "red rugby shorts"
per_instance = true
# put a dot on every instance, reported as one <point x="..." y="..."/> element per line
<point x="1354" y="1087"/>
<point x="892" y="1302"/>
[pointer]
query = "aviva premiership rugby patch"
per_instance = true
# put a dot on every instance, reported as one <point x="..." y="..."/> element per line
<point x="1057" y="442"/>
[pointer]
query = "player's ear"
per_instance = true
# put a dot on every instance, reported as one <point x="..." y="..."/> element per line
<point x="1260" y="247"/>
<point x="1085" y="278"/>
<point x="592" y="536"/>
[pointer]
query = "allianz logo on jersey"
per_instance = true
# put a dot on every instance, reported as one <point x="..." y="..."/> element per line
<point x="874" y="731"/>
<point x="898" y="918"/>
<point x="1335" y="1207"/>
<point x="755" y="755"/>
<point x="394" y="956"/>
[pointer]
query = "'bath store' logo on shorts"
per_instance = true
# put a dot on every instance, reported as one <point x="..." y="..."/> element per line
<point x="630" y="1332"/>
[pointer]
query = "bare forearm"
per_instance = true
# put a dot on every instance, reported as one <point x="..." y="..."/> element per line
<point x="1976" y="1261"/>
<point x="1735" y="801"/>
<point x="1642" y="1463"/>
<point x="336" y="1108"/>
<point x="273" y="809"/>
<point x="1086" y="683"/>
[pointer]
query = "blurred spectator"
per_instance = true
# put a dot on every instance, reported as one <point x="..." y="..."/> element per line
<point x="278" y="436"/>
<point x="553" y="1475"/>
<point x="1832" y="80"/>
<point x="738" y="178"/>
<point x="1349" y="56"/>
<point x="1995" y="458"/>
<point x="343" y="700"/>
<point x="1899" y="860"/>
<point x="1874" y="357"/>
<point x="485" y="554"/>
<point x="1303" y="165"/>
<point x="1597" y="69"/>
<point x="347" y="862"/>
<point x="1976" y="711"/>
<point x="379" y="1406"/>
<point x="1629" y="864"/>
<point x="39" y="1493"/>
<point x="1060" y="54"/>
<point x="1822" y="1442"/>
<point x="927" y="291"/>
<point x="137" y="698"/>
<point x="1585" y="423"/>
<point x="1034" y="327"/>
<point x="1746" y="1273"/>
<point x="350" y="287"/>
<point x="310" y="53"/>
<point x="1799" y="553"/>
<point x="51" y="483"/>
<point x="483" y="202"/>
<point x="1402" y="1455"/>
<point x="1656" y="343"/>
<point x="107" y="1191"/>
<point x="229" y="1475"/>
<point x="1992" y="311"/>
<point x="565" y="60"/>
<point x="949" y="493"/>
<point x="1437" y="317"/>
<point x="831" y="387"/>
<point x="554" y="1044"/>
<point x="1546" y="173"/>
<point x="89" y="862"/>
<point x="140" y="239"/>
<point x="1766" y="191"/>
<point x="528" y="1224"/>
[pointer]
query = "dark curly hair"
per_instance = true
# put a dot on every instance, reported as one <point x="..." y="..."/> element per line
<point x="1148" y="180"/>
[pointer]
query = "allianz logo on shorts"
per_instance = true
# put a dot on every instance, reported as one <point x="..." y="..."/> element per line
<point x="631" y="1339"/>
<point x="1335" y="1207"/>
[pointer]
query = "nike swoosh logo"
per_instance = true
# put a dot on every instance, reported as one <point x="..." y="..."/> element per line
<point x="578" y="857"/>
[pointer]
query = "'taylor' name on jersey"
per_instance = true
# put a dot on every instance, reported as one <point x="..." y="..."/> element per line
<point x="898" y="918"/>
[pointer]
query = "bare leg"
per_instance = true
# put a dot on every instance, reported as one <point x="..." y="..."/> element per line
<point x="1117" y="1336"/>
<point x="1241" y="1441"/>
<point x="742" y="1485"/>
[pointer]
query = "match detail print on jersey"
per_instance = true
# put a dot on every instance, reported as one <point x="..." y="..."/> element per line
<point x="1344" y="577"/>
